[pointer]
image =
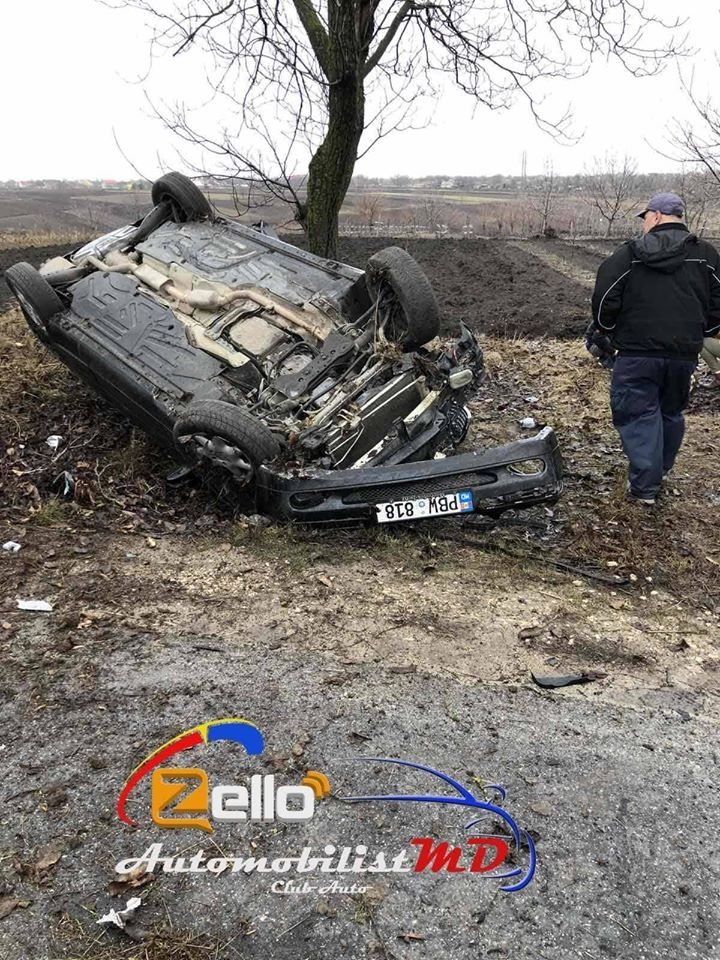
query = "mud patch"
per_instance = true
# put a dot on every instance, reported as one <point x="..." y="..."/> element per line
<point x="492" y="285"/>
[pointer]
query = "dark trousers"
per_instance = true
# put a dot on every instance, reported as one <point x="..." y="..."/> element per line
<point x="647" y="397"/>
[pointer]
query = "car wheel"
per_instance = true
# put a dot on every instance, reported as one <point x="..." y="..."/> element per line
<point x="38" y="301"/>
<point x="395" y="279"/>
<point x="225" y="436"/>
<point x="187" y="201"/>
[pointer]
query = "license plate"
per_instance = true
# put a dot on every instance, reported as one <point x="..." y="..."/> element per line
<point x="440" y="505"/>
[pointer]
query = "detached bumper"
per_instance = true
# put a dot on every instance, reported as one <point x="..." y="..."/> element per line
<point x="516" y="475"/>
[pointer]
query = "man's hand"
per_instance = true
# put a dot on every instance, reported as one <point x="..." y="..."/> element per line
<point x="599" y="344"/>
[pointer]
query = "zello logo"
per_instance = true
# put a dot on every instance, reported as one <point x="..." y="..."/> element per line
<point x="182" y="797"/>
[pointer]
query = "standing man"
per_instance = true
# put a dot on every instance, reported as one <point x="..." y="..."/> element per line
<point x="657" y="297"/>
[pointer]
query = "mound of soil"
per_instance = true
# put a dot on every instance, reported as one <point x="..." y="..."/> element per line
<point x="33" y="255"/>
<point x="492" y="285"/>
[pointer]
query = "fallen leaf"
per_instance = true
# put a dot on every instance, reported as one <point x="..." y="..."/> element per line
<point x="376" y="893"/>
<point x="55" y="797"/>
<point x="527" y="633"/>
<point x="7" y="905"/>
<point x="325" y="581"/>
<point x="679" y="645"/>
<point x="48" y="856"/>
<point x="411" y="937"/>
<point x="137" y="877"/>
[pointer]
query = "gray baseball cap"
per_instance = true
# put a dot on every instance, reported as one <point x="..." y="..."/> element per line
<point x="668" y="203"/>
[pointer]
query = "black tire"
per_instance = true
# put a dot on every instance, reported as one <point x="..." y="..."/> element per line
<point x="419" y="314"/>
<point x="218" y="432"/>
<point x="38" y="301"/>
<point x="188" y="202"/>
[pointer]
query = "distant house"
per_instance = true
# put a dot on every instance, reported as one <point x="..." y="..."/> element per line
<point x="448" y="184"/>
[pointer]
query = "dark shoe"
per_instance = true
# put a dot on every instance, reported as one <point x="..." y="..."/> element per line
<point x="643" y="498"/>
<point x="645" y="501"/>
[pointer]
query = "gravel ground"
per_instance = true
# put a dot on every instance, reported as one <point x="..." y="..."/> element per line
<point x="614" y="780"/>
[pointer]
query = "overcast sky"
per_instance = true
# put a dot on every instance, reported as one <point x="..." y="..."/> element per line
<point x="69" y="75"/>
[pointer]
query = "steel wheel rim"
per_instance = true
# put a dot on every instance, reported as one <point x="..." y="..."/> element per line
<point x="220" y="453"/>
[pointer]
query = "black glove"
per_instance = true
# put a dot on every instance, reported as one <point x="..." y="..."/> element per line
<point x="598" y="344"/>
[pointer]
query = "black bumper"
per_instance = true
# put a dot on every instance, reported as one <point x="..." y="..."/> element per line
<point x="495" y="477"/>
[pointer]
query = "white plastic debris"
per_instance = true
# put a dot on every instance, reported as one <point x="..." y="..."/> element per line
<point x="68" y="482"/>
<point x="36" y="606"/>
<point x="54" y="441"/>
<point x="12" y="546"/>
<point x="120" y="917"/>
<point x="528" y="423"/>
<point x="531" y="399"/>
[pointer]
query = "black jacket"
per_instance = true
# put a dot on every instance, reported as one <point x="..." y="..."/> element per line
<point x="659" y="295"/>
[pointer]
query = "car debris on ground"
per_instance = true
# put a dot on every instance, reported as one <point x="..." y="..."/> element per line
<point x="121" y="918"/>
<point x="35" y="606"/>
<point x="568" y="680"/>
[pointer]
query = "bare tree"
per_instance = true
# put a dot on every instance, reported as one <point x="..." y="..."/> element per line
<point x="544" y="201"/>
<point x="337" y="75"/>
<point x="610" y="187"/>
<point x="700" y="192"/>
<point x="369" y="208"/>
<point x="695" y="139"/>
<point x="434" y="212"/>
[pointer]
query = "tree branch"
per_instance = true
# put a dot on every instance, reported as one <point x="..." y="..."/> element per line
<point x="382" y="47"/>
<point x="316" y="33"/>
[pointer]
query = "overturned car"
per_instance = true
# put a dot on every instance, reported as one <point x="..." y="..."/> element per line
<point x="311" y="383"/>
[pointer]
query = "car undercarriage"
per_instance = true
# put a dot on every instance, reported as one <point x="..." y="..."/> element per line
<point x="319" y="388"/>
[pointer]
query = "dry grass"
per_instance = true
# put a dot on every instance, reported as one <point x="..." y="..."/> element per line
<point x="28" y="373"/>
<point x="77" y="941"/>
<point x="41" y="238"/>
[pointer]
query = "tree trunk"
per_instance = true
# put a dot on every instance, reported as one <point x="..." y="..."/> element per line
<point x="331" y="168"/>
